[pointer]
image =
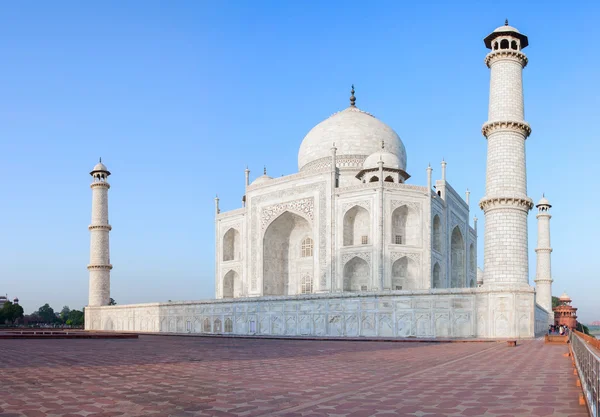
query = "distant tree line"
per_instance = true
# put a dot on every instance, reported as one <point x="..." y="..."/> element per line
<point x="45" y="315"/>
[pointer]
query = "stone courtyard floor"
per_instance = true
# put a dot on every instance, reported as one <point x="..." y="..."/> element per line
<point x="201" y="376"/>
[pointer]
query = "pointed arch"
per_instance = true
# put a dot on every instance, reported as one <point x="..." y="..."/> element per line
<point x="437" y="233"/>
<point x="405" y="226"/>
<point x="357" y="275"/>
<point x="374" y="178"/>
<point x="283" y="263"/>
<point x="232" y="285"/>
<point x="357" y="225"/>
<point x="472" y="259"/>
<point x="457" y="259"/>
<point x="206" y="326"/>
<point x="389" y="178"/>
<point x="228" y="326"/>
<point x="405" y="272"/>
<point x="437" y="279"/>
<point x="231" y="245"/>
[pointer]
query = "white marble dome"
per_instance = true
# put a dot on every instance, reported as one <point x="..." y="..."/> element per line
<point x="506" y="28"/>
<point x="355" y="133"/>
<point x="261" y="180"/>
<point x="389" y="159"/>
<point x="100" y="167"/>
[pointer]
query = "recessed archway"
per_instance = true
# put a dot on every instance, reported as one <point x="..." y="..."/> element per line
<point x="231" y="285"/>
<point x="437" y="233"/>
<point x="457" y="259"/>
<point x="357" y="223"/>
<point x="231" y="245"/>
<point x="284" y="260"/>
<point x="404" y="274"/>
<point x="356" y="275"/>
<point x="437" y="283"/>
<point x="405" y="226"/>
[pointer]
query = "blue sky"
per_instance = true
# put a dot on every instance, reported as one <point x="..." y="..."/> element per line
<point x="178" y="97"/>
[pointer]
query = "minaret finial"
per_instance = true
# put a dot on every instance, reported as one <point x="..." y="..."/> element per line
<point x="100" y="159"/>
<point x="352" y="98"/>
<point x="506" y="22"/>
<point x="265" y="170"/>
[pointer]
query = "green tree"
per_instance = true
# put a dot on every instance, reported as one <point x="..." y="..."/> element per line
<point x="76" y="318"/>
<point x="10" y="313"/>
<point x="555" y="301"/>
<point x="64" y="313"/>
<point x="46" y="313"/>
<point x="112" y="302"/>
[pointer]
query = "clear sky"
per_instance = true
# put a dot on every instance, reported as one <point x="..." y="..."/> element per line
<point x="178" y="97"/>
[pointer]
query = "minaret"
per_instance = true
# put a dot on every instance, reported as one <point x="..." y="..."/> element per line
<point x="543" y="275"/>
<point x="99" y="266"/>
<point x="506" y="204"/>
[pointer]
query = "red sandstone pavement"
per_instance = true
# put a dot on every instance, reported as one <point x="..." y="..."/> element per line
<point x="200" y="376"/>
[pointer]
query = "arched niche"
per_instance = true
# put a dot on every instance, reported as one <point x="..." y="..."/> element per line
<point x="457" y="259"/>
<point x="472" y="260"/>
<point x="437" y="279"/>
<point x="437" y="233"/>
<point x="357" y="222"/>
<point x="405" y="226"/>
<point x="231" y="245"/>
<point x="284" y="262"/>
<point x="231" y="285"/>
<point x="405" y="273"/>
<point x="357" y="275"/>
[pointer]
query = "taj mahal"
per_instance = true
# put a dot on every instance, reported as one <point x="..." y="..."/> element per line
<point x="348" y="247"/>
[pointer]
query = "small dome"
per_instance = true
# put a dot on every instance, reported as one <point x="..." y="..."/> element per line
<point x="100" y="167"/>
<point x="356" y="134"/>
<point x="261" y="180"/>
<point x="389" y="160"/>
<point x="506" y="28"/>
<point x="564" y="297"/>
<point x="543" y="202"/>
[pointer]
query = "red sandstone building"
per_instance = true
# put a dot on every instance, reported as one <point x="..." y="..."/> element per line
<point x="564" y="313"/>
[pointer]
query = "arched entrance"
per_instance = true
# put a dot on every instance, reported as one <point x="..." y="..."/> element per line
<point x="457" y="260"/>
<point x="286" y="256"/>
<point x="356" y="275"/>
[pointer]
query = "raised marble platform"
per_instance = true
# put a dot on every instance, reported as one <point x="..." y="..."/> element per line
<point x="440" y="313"/>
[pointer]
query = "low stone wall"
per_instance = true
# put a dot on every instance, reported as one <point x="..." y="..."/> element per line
<point x="429" y="314"/>
<point x="437" y="313"/>
<point x="543" y="319"/>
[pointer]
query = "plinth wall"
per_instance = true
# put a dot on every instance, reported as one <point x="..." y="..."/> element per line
<point x="455" y="313"/>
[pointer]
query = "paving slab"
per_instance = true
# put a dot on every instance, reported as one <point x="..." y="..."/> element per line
<point x="185" y="376"/>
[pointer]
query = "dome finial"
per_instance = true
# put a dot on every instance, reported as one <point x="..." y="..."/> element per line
<point x="265" y="170"/>
<point x="100" y="160"/>
<point x="352" y="98"/>
<point x="506" y="22"/>
<point x="382" y="144"/>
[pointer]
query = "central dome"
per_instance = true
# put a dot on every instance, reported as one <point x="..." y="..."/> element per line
<point x="355" y="133"/>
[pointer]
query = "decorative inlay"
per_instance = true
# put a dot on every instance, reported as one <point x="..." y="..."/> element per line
<point x="303" y="206"/>
<point x="410" y="204"/>
<point x="455" y="220"/>
<point x="341" y="161"/>
<point x="366" y="204"/>
<point x="365" y="256"/>
<point x="517" y="126"/>
<point x="394" y="256"/>
<point x="100" y="184"/>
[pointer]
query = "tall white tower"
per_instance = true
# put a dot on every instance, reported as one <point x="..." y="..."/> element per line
<point x="99" y="266"/>
<point x="506" y="204"/>
<point x="543" y="276"/>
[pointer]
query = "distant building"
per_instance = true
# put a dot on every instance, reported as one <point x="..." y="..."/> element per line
<point x="3" y="300"/>
<point x="564" y="313"/>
